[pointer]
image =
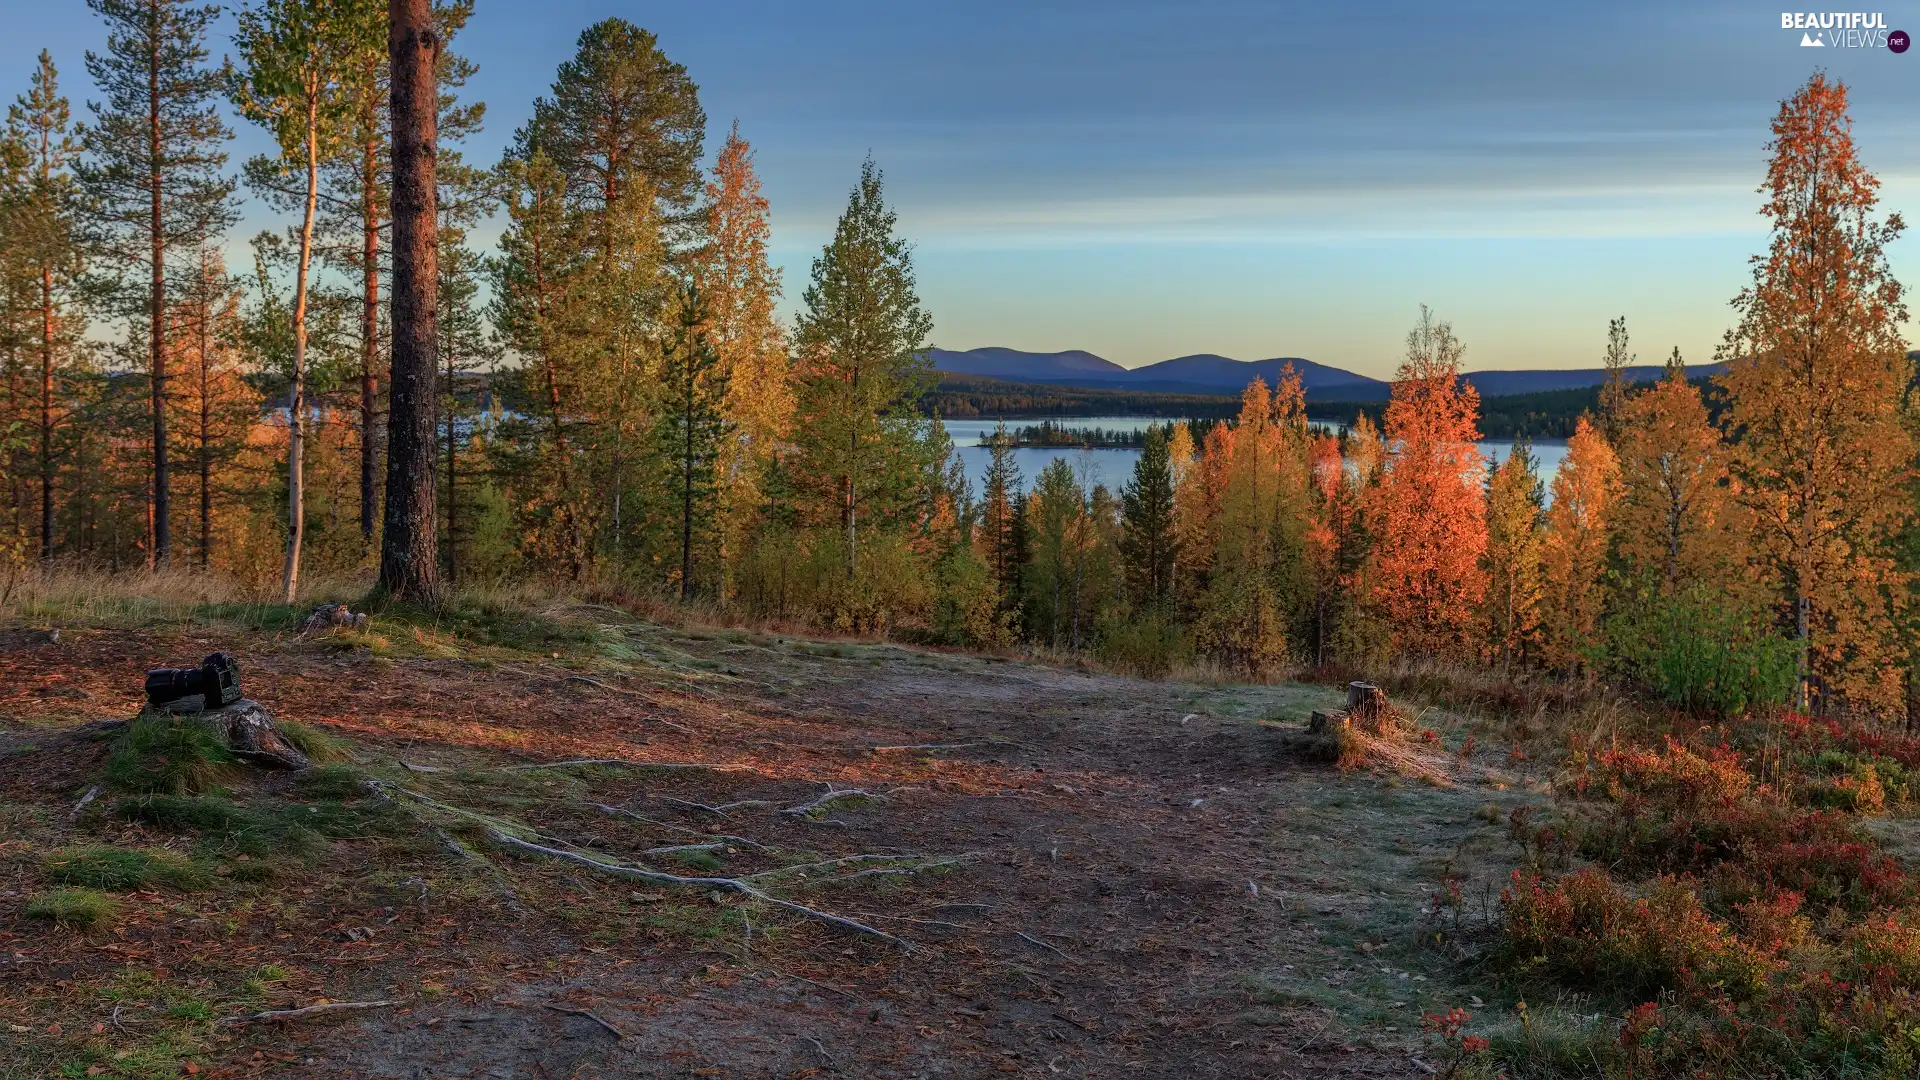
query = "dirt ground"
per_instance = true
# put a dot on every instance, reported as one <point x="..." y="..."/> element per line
<point x="1110" y="877"/>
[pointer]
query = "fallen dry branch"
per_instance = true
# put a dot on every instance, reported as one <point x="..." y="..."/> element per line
<point x="618" y="1035"/>
<point x="310" y="1010"/>
<point x="658" y="877"/>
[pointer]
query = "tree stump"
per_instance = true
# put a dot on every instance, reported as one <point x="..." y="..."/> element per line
<point x="1365" y="702"/>
<point x="247" y="729"/>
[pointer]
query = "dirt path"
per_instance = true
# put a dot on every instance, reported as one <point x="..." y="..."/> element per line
<point x="1148" y="884"/>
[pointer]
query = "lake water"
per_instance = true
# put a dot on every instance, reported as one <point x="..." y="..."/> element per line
<point x="1115" y="467"/>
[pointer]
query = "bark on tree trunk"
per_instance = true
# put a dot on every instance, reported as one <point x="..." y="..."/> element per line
<point x="369" y="334"/>
<point x="409" y="561"/>
<point x="297" y="397"/>
<point x="157" y="305"/>
<point x="46" y="412"/>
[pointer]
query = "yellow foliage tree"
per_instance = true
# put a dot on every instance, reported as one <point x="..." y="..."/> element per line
<point x="1512" y="603"/>
<point x="1670" y="526"/>
<point x="1573" y="557"/>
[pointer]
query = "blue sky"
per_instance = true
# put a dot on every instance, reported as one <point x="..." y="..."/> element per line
<point x="1151" y="179"/>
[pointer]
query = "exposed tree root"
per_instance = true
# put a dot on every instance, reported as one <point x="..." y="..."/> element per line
<point x="657" y="877"/>
<point x="618" y="1035"/>
<point x="311" y="1010"/>
<point x="829" y="800"/>
<point x="618" y="811"/>
<point x="623" y="763"/>
<point x="497" y="832"/>
<point x="720" y="810"/>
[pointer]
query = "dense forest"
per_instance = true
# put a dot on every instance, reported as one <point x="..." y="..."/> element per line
<point x="966" y="397"/>
<point x="624" y="411"/>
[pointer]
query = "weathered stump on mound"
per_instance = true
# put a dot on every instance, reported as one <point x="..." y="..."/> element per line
<point x="1365" y="702"/>
<point x="246" y="727"/>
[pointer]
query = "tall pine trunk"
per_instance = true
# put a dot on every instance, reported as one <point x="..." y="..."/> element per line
<point x="206" y="437"/>
<point x="46" y="411"/>
<point x="297" y="395"/>
<point x="409" y="561"/>
<point x="686" y="488"/>
<point x="157" y="510"/>
<point x="453" y="544"/>
<point x="369" y="332"/>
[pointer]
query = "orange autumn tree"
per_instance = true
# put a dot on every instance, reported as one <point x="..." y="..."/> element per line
<point x="741" y="286"/>
<point x="1816" y="374"/>
<point x="1431" y="529"/>
<point x="1512" y="603"/>
<point x="1573" y="556"/>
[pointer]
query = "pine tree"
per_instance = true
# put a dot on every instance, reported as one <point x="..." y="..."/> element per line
<point x="623" y="126"/>
<point x="409" y="563"/>
<point x="533" y="311"/>
<point x="298" y="60"/>
<point x="997" y="538"/>
<point x="1430" y="503"/>
<point x="1056" y="513"/>
<point x="153" y="177"/>
<point x="1515" y="497"/>
<point x="1821" y="454"/>
<point x="1614" y="391"/>
<point x="214" y="406"/>
<point x="354" y="213"/>
<point x="861" y="451"/>
<point x="41" y="236"/>
<point x="1573" y="555"/>
<point x="1147" y="542"/>
<point x="464" y="343"/>
<point x="691" y="431"/>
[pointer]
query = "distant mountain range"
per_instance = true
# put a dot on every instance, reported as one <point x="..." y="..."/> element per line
<point x="1206" y="373"/>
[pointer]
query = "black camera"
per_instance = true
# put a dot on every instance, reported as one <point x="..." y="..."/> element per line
<point x="217" y="680"/>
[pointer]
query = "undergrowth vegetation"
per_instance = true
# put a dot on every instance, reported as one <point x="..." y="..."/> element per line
<point x="1718" y="896"/>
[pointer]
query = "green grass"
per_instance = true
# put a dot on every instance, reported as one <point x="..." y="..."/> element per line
<point x="340" y="782"/>
<point x="116" y="869"/>
<point x="73" y="909"/>
<point x="321" y="747"/>
<point x="227" y="827"/>
<point x="166" y="755"/>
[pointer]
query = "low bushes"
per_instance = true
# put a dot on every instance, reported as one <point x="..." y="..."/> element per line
<point x="1744" y="925"/>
